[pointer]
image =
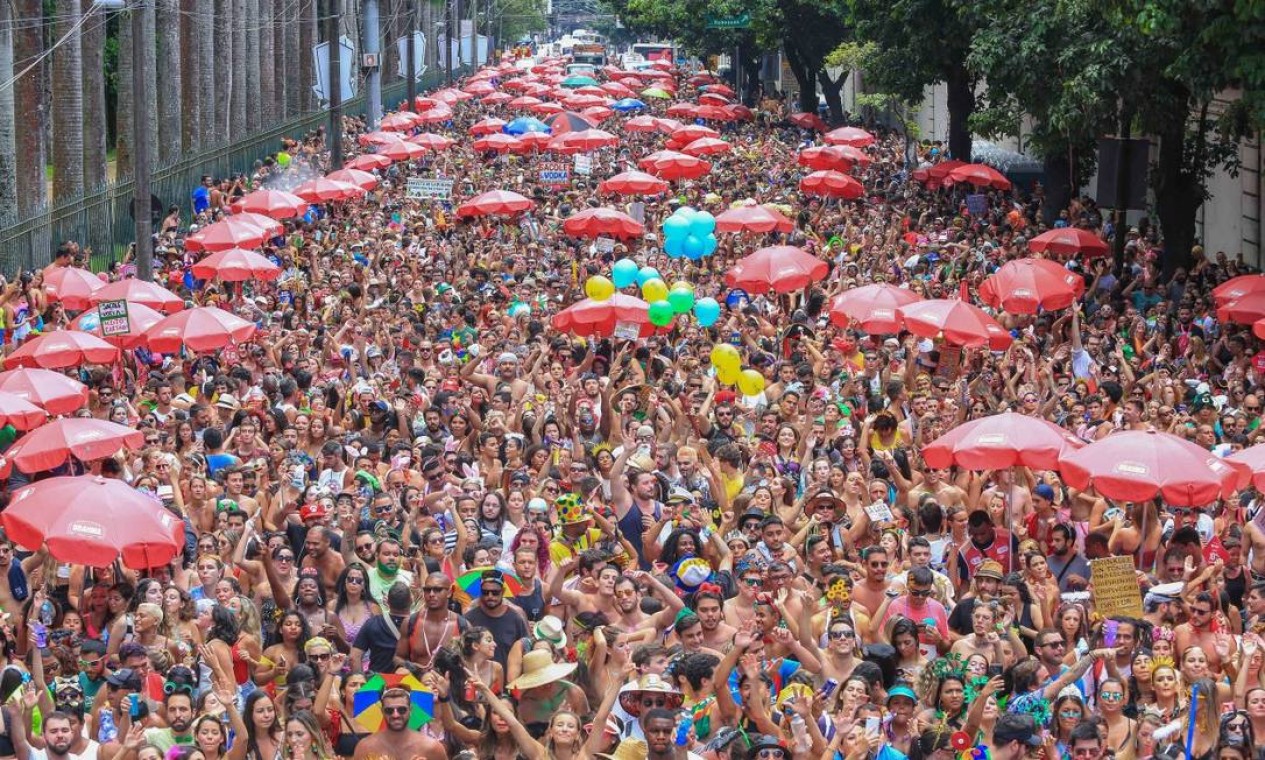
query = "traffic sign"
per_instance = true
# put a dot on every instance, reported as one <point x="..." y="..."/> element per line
<point x="741" y="21"/>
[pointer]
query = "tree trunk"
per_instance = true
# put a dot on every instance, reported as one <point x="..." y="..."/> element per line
<point x="123" y="111"/>
<point x="1058" y="185"/>
<point x="190" y="136"/>
<point x="208" y="90"/>
<point x="238" y="99"/>
<point x="294" y="52"/>
<point x="309" y="35"/>
<point x="805" y="76"/>
<point x="150" y="106"/>
<point x="67" y="105"/>
<point x="751" y="75"/>
<point x="961" y="99"/>
<point x="253" y="72"/>
<point x="266" y="57"/>
<point x="8" y="122"/>
<point x="92" y="41"/>
<point x="1178" y="196"/>
<point x="171" y="122"/>
<point x="223" y="61"/>
<point x="831" y="90"/>
<point x="350" y="25"/>
<point x="390" y="14"/>
<point x="430" y="54"/>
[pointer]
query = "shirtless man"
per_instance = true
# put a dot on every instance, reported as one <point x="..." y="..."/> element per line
<point x="506" y="374"/>
<point x="1197" y="632"/>
<point x="234" y="489"/>
<point x="946" y="494"/>
<point x="628" y="600"/>
<point x="586" y="596"/>
<point x="717" y="634"/>
<point x="1254" y="550"/>
<point x="984" y="639"/>
<point x="871" y="592"/>
<point x="396" y="740"/>
<point x="430" y="629"/>
<point x="318" y="554"/>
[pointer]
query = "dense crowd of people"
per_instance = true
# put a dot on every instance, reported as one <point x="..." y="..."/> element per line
<point x="424" y="523"/>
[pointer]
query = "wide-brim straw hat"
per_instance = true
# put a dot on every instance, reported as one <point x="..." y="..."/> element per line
<point x="539" y="669"/>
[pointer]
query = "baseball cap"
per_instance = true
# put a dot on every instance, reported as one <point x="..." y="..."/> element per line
<point x="317" y="511"/>
<point x="989" y="568"/>
<point x="1044" y="491"/>
<point x="124" y="678"/>
<point x="1016" y="728"/>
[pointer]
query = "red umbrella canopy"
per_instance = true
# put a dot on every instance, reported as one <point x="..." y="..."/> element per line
<point x="720" y="89"/>
<point x="498" y="142"/>
<point x="62" y="348"/>
<point x="691" y="132"/>
<point x="52" y="391"/>
<point x="979" y="175"/>
<point x="436" y="115"/>
<point x="683" y="110"/>
<point x="496" y="98"/>
<point x="236" y="265"/>
<point x="759" y="219"/>
<point x="1026" y="286"/>
<point x="618" y="89"/>
<point x="585" y="101"/>
<point x="603" y="222"/>
<point x="873" y="308"/>
<point x="1254" y="459"/>
<point x="398" y="122"/>
<point x="1237" y="287"/>
<point x="832" y="184"/>
<point x="379" y="138"/>
<point x="935" y="175"/>
<point x="668" y="126"/>
<point x="530" y="141"/>
<point x="488" y="126"/>
<point x="828" y="157"/>
<point x="740" y="112"/>
<point x="782" y="268"/>
<point x="320" y="190"/>
<point x="568" y="121"/>
<point x="1002" y="440"/>
<point x="634" y="183"/>
<point x="645" y="123"/>
<point x="368" y="162"/>
<point x="858" y="138"/>
<point x="432" y="141"/>
<point x="495" y="203"/>
<point x="94" y="521"/>
<point x="671" y="165"/>
<point x="136" y="291"/>
<point x="547" y="108"/>
<point x="72" y="286"/>
<point x="598" y="113"/>
<point x="361" y="179"/>
<point x="1244" y="310"/>
<point x="714" y="113"/>
<point x="20" y="413"/>
<point x="809" y="121"/>
<point x="276" y="204"/>
<point x="1068" y="241"/>
<point x="583" y="140"/>
<point x="958" y="322"/>
<point x="205" y="328"/>
<point x="139" y="319"/>
<point x="1140" y="465"/>
<point x="524" y="101"/>
<point x="87" y="439"/>
<point x="713" y="99"/>
<point x="589" y="317"/>
<point x="707" y="146"/>
<point x="401" y="151"/>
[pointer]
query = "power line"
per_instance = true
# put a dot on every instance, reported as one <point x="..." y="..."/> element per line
<point x="83" y="19"/>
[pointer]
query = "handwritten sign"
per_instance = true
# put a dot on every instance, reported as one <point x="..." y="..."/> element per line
<point x="583" y="165"/>
<point x="604" y="245"/>
<point x="555" y="174"/>
<point x="114" y="319"/>
<point x="627" y="330"/>
<point x="879" y="512"/>
<point x="430" y="187"/>
<point x="950" y="360"/>
<point x="1116" y="591"/>
<point x="977" y="204"/>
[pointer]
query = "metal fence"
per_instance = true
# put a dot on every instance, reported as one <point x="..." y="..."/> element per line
<point x="102" y="220"/>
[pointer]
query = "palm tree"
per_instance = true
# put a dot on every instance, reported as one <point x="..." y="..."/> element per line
<point x="309" y="35"/>
<point x="204" y="21"/>
<point x="8" y="137"/>
<point x="92" y="40"/>
<point x="150" y="106"/>
<point x="237" y="105"/>
<point x="253" y="94"/>
<point x="67" y="104"/>
<point x="222" y="58"/>
<point x="170" y="123"/>
<point x="293" y="54"/>
<point x="429" y="55"/>
<point x="190" y="104"/>
<point x="266" y="57"/>
<point x="123" y="111"/>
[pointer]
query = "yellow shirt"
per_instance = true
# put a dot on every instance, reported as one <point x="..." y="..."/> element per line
<point x="560" y="550"/>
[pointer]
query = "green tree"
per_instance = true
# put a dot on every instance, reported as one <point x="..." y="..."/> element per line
<point x="920" y="43"/>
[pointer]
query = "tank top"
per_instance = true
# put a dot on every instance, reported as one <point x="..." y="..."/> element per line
<point x="630" y="527"/>
<point x="532" y="604"/>
<point x="241" y="670"/>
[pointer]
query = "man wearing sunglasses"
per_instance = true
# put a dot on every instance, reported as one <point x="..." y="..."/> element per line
<point x="395" y="739"/>
<point x="918" y="605"/>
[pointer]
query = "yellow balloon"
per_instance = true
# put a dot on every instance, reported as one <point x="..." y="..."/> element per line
<point x="654" y="289"/>
<point x="725" y="356"/>
<point x="750" y="382"/>
<point x="682" y="285"/>
<point x="729" y="375"/>
<point x="599" y="288"/>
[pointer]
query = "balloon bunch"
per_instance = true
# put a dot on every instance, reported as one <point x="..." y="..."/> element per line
<point x="728" y="363"/>
<point x="665" y="303"/>
<point x="689" y="233"/>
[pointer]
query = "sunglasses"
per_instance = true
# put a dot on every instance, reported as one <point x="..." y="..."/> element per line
<point x="753" y="582"/>
<point x="651" y="702"/>
<point x="401" y="710"/>
<point x="841" y="633"/>
<point x="921" y="593"/>
<point x="320" y="657"/>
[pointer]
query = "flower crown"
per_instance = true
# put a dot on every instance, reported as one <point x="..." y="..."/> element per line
<point x="838" y="593"/>
<point x="1163" y="633"/>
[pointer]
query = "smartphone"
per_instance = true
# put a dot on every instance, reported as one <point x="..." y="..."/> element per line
<point x="872" y="725"/>
<point x="994" y="671"/>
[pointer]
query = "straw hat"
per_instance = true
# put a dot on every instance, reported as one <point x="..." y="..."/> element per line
<point x="628" y="749"/>
<point x="630" y="699"/>
<point x="539" y="669"/>
<point x="550" y="630"/>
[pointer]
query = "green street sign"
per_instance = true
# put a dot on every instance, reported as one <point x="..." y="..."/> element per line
<point x="729" y="22"/>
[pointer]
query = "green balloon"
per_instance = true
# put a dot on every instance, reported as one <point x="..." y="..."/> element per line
<point x="283" y="158"/>
<point x="661" y="313"/>
<point x="682" y="299"/>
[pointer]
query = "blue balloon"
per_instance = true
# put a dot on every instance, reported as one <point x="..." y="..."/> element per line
<point x="647" y="273"/>
<point x="694" y="247"/>
<point x="675" y="227"/>
<point x="674" y="246"/>
<point x="709" y="245"/>
<point x="624" y="273"/>
<point x="702" y="224"/>
<point x="706" y="311"/>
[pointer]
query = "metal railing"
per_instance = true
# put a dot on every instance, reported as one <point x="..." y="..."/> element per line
<point x="102" y="220"/>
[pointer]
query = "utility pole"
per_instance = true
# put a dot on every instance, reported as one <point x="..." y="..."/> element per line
<point x="451" y="33"/>
<point x="335" y="135"/>
<point x="141" y="147"/>
<point x="373" y="79"/>
<point x="411" y="64"/>
<point x="474" y="33"/>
